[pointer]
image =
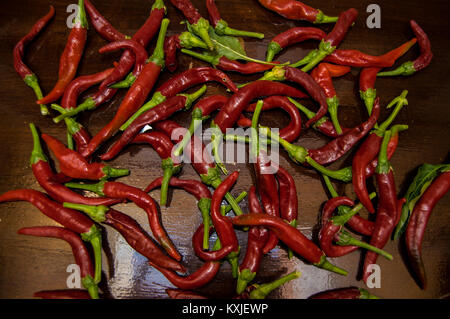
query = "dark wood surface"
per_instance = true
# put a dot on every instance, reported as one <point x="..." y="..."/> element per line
<point x="29" y="264"/>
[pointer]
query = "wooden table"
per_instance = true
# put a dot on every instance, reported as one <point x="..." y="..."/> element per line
<point x="30" y="264"/>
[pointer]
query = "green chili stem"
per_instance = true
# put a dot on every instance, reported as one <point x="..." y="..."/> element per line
<point x="405" y="69"/>
<point x="203" y="57"/>
<point x="204" y="204"/>
<point x="383" y="166"/>
<point x="346" y="240"/>
<point x="342" y="174"/>
<point x="96" y="188"/>
<point x="222" y="28"/>
<point x="333" y="104"/>
<point x="228" y="208"/>
<point x="263" y="290"/>
<point x="32" y="81"/>
<point x="158" y="53"/>
<point x="309" y="114"/>
<point x="399" y="101"/>
<point x="126" y="83"/>
<point x="37" y="154"/>
<point x="88" y="104"/>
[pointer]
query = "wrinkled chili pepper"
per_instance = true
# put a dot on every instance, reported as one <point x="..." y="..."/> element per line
<point x="72" y="164"/>
<point x="175" y="42"/>
<point x="101" y="24"/>
<point x="199" y="24"/>
<point x="296" y="10"/>
<point x="131" y="231"/>
<point x="46" y="178"/>
<point x="21" y="68"/>
<point x="136" y="95"/>
<point x="81" y="254"/>
<point x="421" y="62"/>
<point x="160" y="112"/>
<point x="180" y="83"/>
<point x="368" y="151"/>
<point x="418" y="222"/>
<point x="291" y="236"/>
<point x="330" y="42"/>
<point x="62" y="294"/>
<point x="69" y="218"/>
<point x="71" y="56"/>
<point x="344" y="293"/>
<point x="221" y="26"/>
<point x="124" y="192"/>
<point x="387" y="214"/>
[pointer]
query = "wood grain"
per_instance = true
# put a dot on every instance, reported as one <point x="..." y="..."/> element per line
<point x="30" y="264"/>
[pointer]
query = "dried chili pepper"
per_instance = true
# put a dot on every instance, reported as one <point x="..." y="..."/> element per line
<point x="76" y="166"/>
<point x="175" y="42"/>
<point x="330" y="42"/>
<point x="62" y="294"/>
<point x="46" y="178"/>
<point x="69" y="218"/>
<point x="70" y="57"/>
<point x="123" y="191"/>
<point x="221" y="26"/>
<point x="291" y="236"/>
<point x="131" y="231"/>
<point x="387" y="206"/>
<point x="368" y="151"/>
<point x="421" y="62"/>
<point x="160" y="112"/>
<point x="296" y="10"/>
<point x="180" y="83"/>
<point x="418" y="222"/>
<point x="80" y="252"/>
<point x="344" y="293"/>
<point x="101" y="24"/>
<point x="21" y="68"/>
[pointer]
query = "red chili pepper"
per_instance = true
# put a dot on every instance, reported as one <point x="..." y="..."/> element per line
<point x="136" y="95"/>
<point x="131" y="231"/>
<point x="418" y="223"/>
<point x="292" y="237"/>
<point x="21" y="68"/>
<point x="387" y="214"/>
<point x="74" y="165"/>
<point x="183" y="294"/>
<point x="124" y="192"/>
<point x="46" y="178"/>
<point x="81" y="254"/>
<point x="237" y="103"/>
<point x="344" y="293"/>
<point x="69" y="218"/>
<point x="290" y="37"/>
<point x="296" y="10"/>
<point x="159" y="113"/>
<point x="176" y="42"/>
<point x="101" y="25"/>
<point x="71" y="56"/>
<point x="422" y="61"/>
<point x="62" y="294"/>
<point x="288" y="196"/>
<point x="221" y="26"/>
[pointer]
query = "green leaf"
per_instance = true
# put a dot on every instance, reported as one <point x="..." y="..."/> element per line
<point x="227" y="46"/>
<point x="425" y="176"/>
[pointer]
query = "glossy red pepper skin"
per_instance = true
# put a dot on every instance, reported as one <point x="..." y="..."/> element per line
<point x="228" y="65"/>
<point x="62" y="294"/>
<point x="291" y="9"/>
<point x="171" y="46"/>
<point x="160" y="112"/>
<point x="342" y="144"/>
<point x="340" y="29"/>
<point x="194" y="187"/>
<point x="418" y="222"/>
<point x="361" y="225"/>
<point x="101" y="25"/>
<point x="344" y="293"/>
<point x="288" y="195"/>
<point x="237" y="103"/>
<point x="188" y="10"/>
<point x="211" y="103"/>
<point x="296" y="35"/>
<point x="19" y="49"/>
<point x="70" y="58"/>
<point x="159" y="141"/>
<point x="80" y="252"/>
<point x="323" y="75"/>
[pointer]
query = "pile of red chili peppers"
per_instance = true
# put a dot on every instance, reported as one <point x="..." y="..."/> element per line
<point x="271" y="216"/>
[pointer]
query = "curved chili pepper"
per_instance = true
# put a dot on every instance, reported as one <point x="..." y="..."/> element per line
<point x="180" y="83"/>
<point x="387" y="206"/>
<point x="221" y="26"/>
<point x="76" y="166"/>
<point x="296" y="10"/>
<point x="422" y="61"/>
<point x="330" y="42"/>
<point x="344" y="293"/>
<point x="176" y="42"/>
<point x="290" y="37"/>
<point x="291" y="236"/>
<point x="237" y="103"/>
<point x="69" y="218"/>
<point x="62" y="294"/>
<point x="21" y="68"/>
<point x="160" y="112"/>
<point x="46" y="178"/>
<point x="131" y="231"/>
<point x="183" y="294"/>
<point x="101" y="25"/>
<point x="124" y="192"/>
<point x="71" y="56"/>
<point x="80" y="252"/>
<point x="199" y="24"/>
<point x="418" y="222"/>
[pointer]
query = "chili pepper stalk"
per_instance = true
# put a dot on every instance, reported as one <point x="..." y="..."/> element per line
<point x="263" y="290"/>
